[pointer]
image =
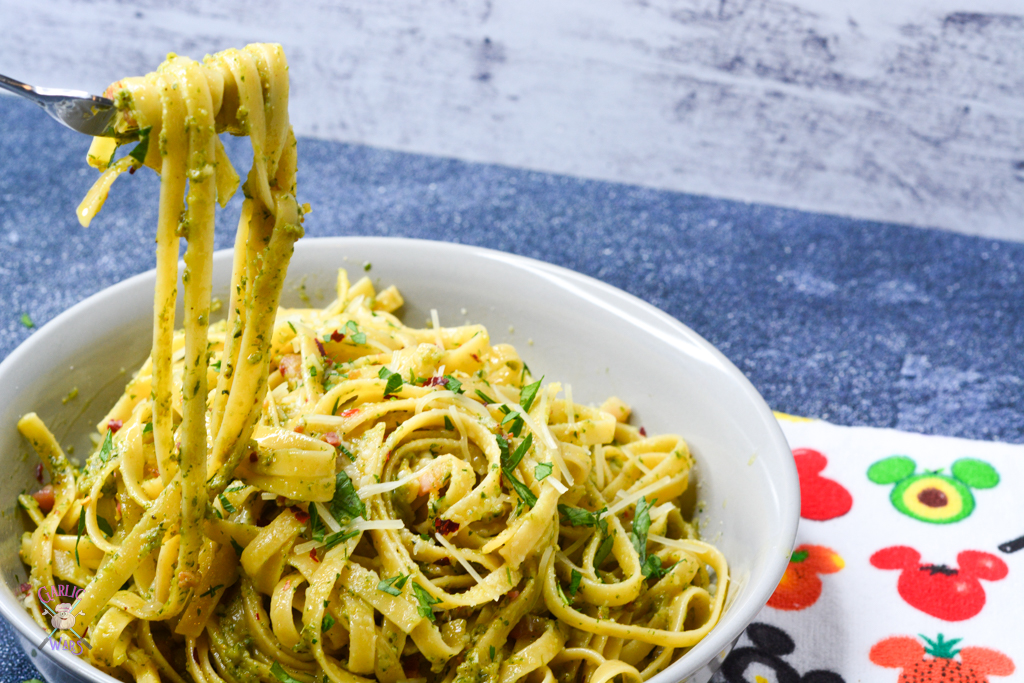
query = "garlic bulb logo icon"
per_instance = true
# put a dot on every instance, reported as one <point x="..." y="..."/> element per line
<point x="63" y="619"/>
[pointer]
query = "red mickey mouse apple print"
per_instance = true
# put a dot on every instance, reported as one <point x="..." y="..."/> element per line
<point x="949" y="593"/>
<point x="820" y="498"/>
<point x="800" y="586"/>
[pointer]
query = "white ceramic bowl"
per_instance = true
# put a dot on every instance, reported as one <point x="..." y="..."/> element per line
<point x="566" y="326"/>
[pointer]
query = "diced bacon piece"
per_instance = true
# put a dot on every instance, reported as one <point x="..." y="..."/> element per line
<point x="44" y="497"/>
<point x="114" y="425"/>
<point x="333" y="439"/>
<point x="290" y="366"/>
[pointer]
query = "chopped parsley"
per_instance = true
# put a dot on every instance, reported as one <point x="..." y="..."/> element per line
<point x="394" y="382"/>
<point x="212" y="591"/>
<point x="574" y="583"/>
<point x="327" y="623"/>
<point x="581" y="517"/>
<point x="27" y="321"/>
<point x="315" y="526"/>
<point x="104" y="526"/>
<point x="453" y="385"/>
<point x="338" y="537"/>
<point x="529" y="393"/>
<point x="81" y="530"/>
<point x="282" y="675"/>
<point x="228" y="507"/>
<point x="238" y="549"/>
<point x="448" y="424"/>
<point x="603" y="550"/>
<point x="651" y="566"/>
<point x="426" y="600"/>
<point x="508" y="466"/>
<point x="346" y="502"/>
<point x="542" y="471"/>
<point x="484" y="397"/>
<point x="139" y="151"/>
<point x="394" y="585"/>
<point x="352" y="330"/>
<point x="148" y="429"/>
<point x="107" y="449"/>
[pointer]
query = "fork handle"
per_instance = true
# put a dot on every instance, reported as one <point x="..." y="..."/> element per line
<point x="23" y="89"/>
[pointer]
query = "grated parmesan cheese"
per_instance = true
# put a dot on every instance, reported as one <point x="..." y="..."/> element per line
<point x="458" y="556"/>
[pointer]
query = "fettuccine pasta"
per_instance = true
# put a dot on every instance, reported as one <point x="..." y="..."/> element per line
<point x="329" y="494"/>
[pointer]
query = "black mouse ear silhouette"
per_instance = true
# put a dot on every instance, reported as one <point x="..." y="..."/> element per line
<point x="770" y="640"/>
<point x="822" y="677"/>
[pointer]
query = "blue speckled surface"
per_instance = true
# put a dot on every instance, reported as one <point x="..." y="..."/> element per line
<point x="856" y="322"/>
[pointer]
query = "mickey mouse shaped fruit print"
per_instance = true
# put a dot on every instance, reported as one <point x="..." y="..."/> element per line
<point x="937" y="663"/>
<point x="930" y="496"/>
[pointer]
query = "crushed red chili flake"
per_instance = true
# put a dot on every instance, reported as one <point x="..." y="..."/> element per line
<point x="301" y="515"/>
<point x="445" y="527"/>
<point x="350" y="412"/>
<point x="114" y="425"/>
<point x="299" y="429"/>
<point x="253" y="457"/>
<point x="312" y="555"/>
<point x="643" y="432"/>
<point x="333" y="439"/>
<point x="337" y="336"/>
<point x="39" y="473"/>
<point x="443" y="562"/>
<point x="436" y="381"/>
<point x="320" y="346"/>
<point x="475" y="357"/>
<point x="131" y="169"/>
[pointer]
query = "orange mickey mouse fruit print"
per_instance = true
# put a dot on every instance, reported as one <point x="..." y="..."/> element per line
<point x="800" y="586"/>
<point x="937" y="663"/>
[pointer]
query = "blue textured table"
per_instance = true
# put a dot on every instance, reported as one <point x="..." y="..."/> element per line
<point x="855" y="322"/>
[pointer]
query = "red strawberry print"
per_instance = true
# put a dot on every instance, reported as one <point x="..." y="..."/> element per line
<point x="937" y="663"/>
<point x="800" y="586"/>
<point x="820" y="498"/>
<point x="950" y="593"/>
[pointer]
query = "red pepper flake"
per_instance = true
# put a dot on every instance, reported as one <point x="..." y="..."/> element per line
<point x="445" y="527"/>
<point x="312" y="555"/>
<point x="131" y="171"/>
<point x="475" y="357"/>
<point x="253" y="457"/>
<point x="257" y="616"/>
<point x="350" y="412"/>
<point x="301" y="515"/>
<point x="643" y="432"/>
<point x="25" y="589"/>
<point x="333" y="439"/>
<point x="39" y="473"/>
<point x="436" y="381"/>
<point x="300" y="429"/>
<point x="114" y="425"/>
<point x="320" y="345"/>
<point x="337" y="336"/>
<point x="443" y="562"/>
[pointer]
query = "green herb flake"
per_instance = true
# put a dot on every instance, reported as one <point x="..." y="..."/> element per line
<point x="448" y="424"/>
<point x="228" y="507"/>
<point x="213" y="590"/>
<point x="394" y="381"/>
<point x="107" y="449"/>
<point x="148" y="429"/>
<point x="574" y="583"/>
<point x="81" y="530"/>
<point x="27" y="321"/>
<point x="238" y="549"/>
<point x="394" y="585"/>
<point x="104" y="526"/>
<point x="484" y="397"/>
<point x="529" y="393"/>
<point x="543" y="470"/>
<point x="139" y="151"/>
<point x="603" y="550"/>
<point x="453" y="385"/>
<point x="426" y="601"/>
<point x="346" y="502"/>
<point x="338" y="537"/>
<point x="327" y="623"/>
<point x="491" y="650"/>
<point x="352" y="331"/>
<point x="282" y="675"/>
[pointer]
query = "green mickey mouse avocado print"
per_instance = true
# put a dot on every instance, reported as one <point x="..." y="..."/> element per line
<point x="930" y="496"/>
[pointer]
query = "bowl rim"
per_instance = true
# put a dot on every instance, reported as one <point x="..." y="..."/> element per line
<point x="785" y="496"/>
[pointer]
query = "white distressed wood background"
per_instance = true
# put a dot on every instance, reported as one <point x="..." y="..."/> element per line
<point x="897" y="110"/>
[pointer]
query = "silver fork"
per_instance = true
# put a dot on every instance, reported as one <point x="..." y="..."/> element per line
<point x="79" y="111"/>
